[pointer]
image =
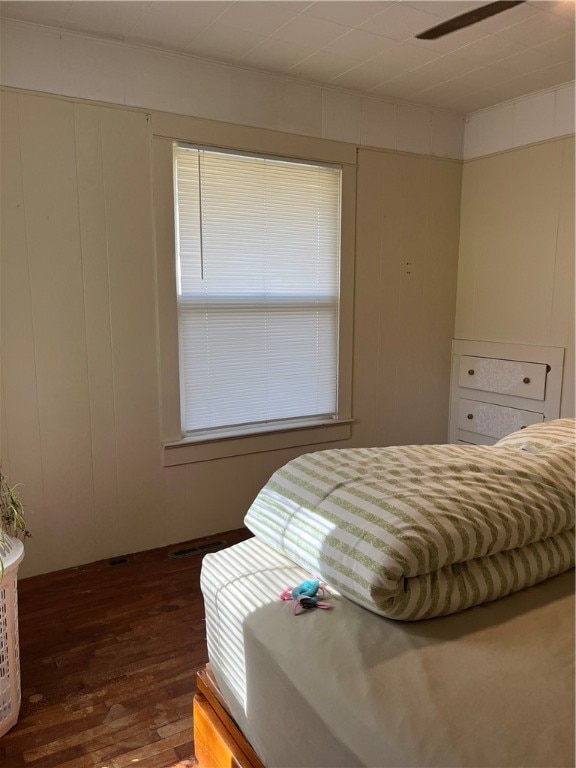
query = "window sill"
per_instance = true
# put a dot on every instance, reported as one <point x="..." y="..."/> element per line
<point x="208" y="447"/>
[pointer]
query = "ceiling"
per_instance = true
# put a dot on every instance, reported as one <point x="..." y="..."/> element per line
<point x="360" y="46"/>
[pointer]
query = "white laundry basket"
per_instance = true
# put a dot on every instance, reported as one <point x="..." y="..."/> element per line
<point x="11" y="552"/>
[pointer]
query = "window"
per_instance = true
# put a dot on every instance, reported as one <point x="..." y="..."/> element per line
<point x="258" y="258"/>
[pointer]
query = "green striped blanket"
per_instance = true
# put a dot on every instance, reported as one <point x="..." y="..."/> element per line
<point x="419" y="531"/>
<point x="541" y="437"/>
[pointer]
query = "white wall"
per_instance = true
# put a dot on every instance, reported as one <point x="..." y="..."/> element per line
<point x="540" y="116"/>
<point x="516" y="259"/>
<point x="81" y="402"/>
<point x="42" y="59"/>
<point x="80" y="399"/>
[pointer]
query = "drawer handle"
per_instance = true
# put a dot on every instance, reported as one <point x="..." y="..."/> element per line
<point x="471" y="372"/>
<point x="470" y="416"/>
<point x="526" y="380"/>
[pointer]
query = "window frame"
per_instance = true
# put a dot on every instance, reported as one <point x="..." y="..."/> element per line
<point x="181" y="448"/>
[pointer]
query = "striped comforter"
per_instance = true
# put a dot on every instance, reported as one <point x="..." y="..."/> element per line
<point x="419" y="531"/>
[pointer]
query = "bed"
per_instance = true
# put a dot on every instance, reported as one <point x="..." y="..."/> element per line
<point x="492" y="685"/>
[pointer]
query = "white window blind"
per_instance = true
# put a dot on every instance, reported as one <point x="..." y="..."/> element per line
<point x="258" y="275"/>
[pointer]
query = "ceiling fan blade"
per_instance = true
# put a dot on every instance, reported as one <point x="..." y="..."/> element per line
<point x="468" y="18"/>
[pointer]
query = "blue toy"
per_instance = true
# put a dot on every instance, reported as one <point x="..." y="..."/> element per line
<point x="308" y="594"/>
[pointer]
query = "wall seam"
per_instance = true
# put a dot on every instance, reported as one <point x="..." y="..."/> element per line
<point x="82" y="272"/>
<point x="32" y="322"/>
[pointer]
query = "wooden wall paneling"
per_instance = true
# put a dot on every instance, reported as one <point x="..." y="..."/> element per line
<point x="567" y="403"/>
<point x="469" y="248"/>
<point x="4" y="448"/>
<point x="96" y="293"/>
<point x="439" y="272"/>
<point x="563" y="316"/>
<point x="516" y="264"/>
<point x="53" y="236"/>
<point x="509" y="229"/>
<point x="265" y="464"/>
<point x="493" y="245"/>
<point x="21" y="439"/>
<point x="389" y="329"/>
<point x="129" y="215"/>
<point x="531" y="249"/>
<point x="199" y="502"/>
<point x="220" y="493"/>
<point x="177" y="501"/>
<point x="376" y="229"/>
<point x="415" y="188"/>
<point x="88" y="173"/>
<point x="247" y="138"/>
<point x="407" y="242"/>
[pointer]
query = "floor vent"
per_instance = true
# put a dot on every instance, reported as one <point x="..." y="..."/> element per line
<point x="118" y="561"/>
<point x="199" y="549"/>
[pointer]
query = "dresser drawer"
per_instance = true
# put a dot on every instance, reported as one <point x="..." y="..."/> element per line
<point x="507" y="377"/>
<point x="493" y="420"/>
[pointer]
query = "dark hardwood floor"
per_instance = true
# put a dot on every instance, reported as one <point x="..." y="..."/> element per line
<point x="109" y="655"/>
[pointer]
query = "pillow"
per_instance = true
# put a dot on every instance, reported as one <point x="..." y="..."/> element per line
<point x="412" y="532"/>
<point x="541" y="437"/>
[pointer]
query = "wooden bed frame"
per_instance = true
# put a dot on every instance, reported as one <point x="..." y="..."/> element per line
<point x="218" y="742"/>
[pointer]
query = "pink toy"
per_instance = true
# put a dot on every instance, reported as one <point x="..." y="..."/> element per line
<point x="306" y="595"/>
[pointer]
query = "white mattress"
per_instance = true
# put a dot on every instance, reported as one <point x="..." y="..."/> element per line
<point x="491" y="686"/>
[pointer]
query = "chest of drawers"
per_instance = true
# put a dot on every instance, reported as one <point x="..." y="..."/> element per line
<point x="498" y="388"/>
